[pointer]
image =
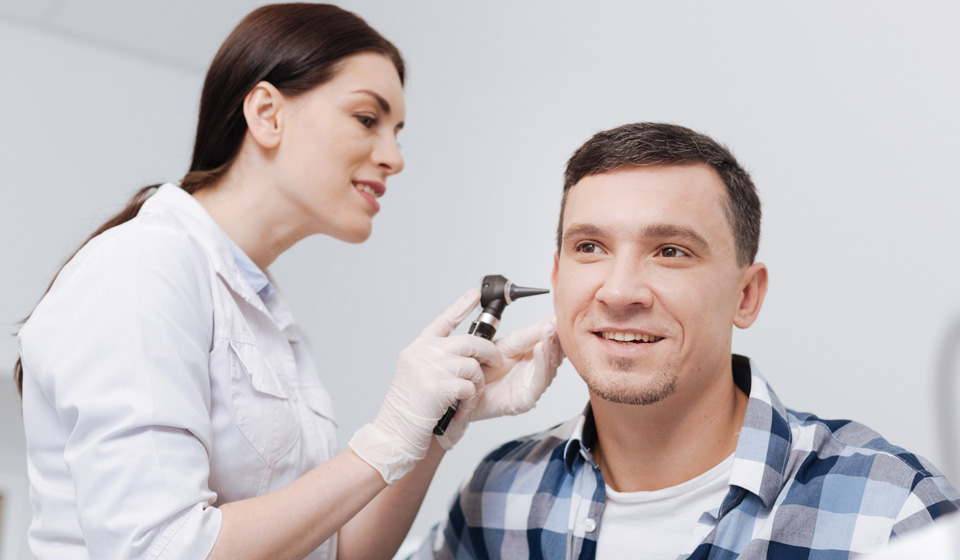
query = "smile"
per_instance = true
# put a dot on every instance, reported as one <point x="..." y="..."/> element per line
<point x="367" y="189"/>
<point x="629" y="337"/>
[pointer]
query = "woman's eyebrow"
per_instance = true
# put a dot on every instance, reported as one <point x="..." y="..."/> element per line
<point x="379" y="99"/>
<point x="384" y="104"/>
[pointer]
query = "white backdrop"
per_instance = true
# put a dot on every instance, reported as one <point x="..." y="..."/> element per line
<point x="845" y="113"/>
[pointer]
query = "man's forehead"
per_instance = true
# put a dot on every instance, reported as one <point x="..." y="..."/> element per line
<point x="636" y="198"/>
<point x="695" y="187"/>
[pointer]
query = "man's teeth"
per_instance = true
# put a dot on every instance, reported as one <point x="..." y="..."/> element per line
<point x="630" y="337"/>
<point x="367" y="189"/>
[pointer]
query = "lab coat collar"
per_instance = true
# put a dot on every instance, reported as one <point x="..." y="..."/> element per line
<point x="173" y="203"/>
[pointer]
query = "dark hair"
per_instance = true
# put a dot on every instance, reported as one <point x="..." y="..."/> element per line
<point x="646" y="144"/>
<point x="296" y="47"/>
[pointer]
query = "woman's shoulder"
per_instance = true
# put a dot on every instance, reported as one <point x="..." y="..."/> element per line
<point x="141" y="249"/>
<point x="140" y="267"/>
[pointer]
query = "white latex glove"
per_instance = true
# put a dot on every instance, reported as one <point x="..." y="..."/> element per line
<point x="432" y="373"/>
<point x="531" y="358"/>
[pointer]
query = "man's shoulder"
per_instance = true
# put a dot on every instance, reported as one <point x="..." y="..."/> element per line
<point x="846" y="467"/>
<point x="841" y="445"/>
<point x="509" y="466"/>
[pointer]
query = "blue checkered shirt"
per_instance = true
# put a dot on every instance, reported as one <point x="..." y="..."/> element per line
<point x="800" y="488"/>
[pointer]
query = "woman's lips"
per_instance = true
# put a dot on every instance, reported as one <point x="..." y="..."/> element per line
<point x="371" y="191"/>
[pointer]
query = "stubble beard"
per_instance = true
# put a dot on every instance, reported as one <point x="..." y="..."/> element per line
<point x="626" y="388"/>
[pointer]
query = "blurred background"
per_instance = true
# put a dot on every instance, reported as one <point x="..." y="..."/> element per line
<point x="845" y="113"/>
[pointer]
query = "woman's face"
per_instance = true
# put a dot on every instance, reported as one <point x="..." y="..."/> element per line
<point x="339" y="145"/>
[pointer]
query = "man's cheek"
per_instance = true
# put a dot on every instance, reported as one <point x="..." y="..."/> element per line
<point x="568" y="345"/>
<point x="565" y="326"/>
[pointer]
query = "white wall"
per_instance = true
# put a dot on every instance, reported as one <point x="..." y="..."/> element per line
<point x="845" y="114"/>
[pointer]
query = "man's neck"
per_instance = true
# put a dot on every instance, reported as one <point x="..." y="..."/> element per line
<point x="650" y="447"/>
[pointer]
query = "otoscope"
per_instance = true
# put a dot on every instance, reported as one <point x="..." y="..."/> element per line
<point x="496" y="292"/>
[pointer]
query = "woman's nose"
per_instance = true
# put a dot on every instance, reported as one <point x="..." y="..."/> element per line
<point x="387" y="155"/>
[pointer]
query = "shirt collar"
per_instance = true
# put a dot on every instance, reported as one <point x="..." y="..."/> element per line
<point x="581" y="439"/>
<point x="170" y="202"/>
<point x="763" y="448"/>
<point x="257" y="279"/>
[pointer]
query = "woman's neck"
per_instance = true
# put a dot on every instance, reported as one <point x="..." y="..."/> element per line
<point x="243" y="206"/>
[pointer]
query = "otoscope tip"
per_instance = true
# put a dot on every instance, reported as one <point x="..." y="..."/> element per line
<point x="517" y="292"/>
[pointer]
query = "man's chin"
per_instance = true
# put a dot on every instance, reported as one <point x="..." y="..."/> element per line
<point x="628" y="381"/>
<point x="640" y="396"/>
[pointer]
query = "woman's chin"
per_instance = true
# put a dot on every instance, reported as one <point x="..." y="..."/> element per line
<point x="358" y="235"/>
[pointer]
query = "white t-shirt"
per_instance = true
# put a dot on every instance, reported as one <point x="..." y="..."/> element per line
<point x="661" y="524"/>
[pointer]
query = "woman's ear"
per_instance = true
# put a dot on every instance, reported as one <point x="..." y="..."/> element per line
<point x="261" y="109"/>
<point x="753" y="288"/>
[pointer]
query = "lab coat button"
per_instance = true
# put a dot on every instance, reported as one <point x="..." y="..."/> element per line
<point x="590" y="525"/>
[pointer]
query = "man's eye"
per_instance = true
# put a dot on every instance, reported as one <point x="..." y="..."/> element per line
<point x="672" y="252"/>
<point x="586" y="247"/>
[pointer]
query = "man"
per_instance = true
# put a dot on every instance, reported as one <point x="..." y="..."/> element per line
<point x="684" y="451"/>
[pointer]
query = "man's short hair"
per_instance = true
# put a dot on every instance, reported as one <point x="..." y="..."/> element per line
<point x="648" y="144"/>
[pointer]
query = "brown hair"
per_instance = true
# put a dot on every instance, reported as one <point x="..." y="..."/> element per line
<point x="645" y="144"/>
<point x="296" y="47"/>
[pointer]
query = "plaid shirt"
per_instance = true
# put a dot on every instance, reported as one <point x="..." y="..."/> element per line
<point x="800" y="488"/>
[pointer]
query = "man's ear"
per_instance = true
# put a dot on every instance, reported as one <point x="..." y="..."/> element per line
<point x="553" y="277"/>
<point x="753" y="288"/>
<point x="261" y="109"/>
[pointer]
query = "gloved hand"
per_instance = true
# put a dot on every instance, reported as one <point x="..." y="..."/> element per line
<point x="531" y="358"/>
<point x="432" y="373"/>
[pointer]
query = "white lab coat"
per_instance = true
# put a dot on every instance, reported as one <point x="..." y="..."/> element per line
<point x="158" y="385"/>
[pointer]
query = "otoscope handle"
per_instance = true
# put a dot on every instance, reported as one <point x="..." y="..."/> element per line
<point x="477" y="328"/>
<point x="483" y="330"/>
<point x="496" y="292"/>
<point x="444" y="422"/>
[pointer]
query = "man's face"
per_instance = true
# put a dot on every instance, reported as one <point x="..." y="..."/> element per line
<point x="646" y="284"/>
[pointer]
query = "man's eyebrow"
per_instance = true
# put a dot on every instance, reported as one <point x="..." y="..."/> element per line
<point x="654" y="231"/>
<point x="668" y="231"/>
<point x="584" y="230"/>
<point x="384" y="105"/>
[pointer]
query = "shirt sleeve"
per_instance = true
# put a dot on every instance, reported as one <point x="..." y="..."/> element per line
<point x="931" y="497"/>
<point x="120" y="348"/>
<point x="435" y="546"/>
<point x="448" y="539"/>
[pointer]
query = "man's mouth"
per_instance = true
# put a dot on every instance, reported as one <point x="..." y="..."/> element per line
<point x="634" y="338"/>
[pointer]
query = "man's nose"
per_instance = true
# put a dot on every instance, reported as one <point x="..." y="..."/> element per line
<point x="626" y="285"/>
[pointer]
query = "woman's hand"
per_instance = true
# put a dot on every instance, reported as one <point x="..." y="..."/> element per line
<point x="531" y="358"/>
<point x="432" y="373"/>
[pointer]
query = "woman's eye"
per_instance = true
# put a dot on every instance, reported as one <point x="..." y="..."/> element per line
<point x="671" y="252"/>
<point x="367" y="121"/>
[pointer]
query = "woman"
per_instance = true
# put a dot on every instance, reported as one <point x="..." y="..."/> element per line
<point x="171" y="406"/>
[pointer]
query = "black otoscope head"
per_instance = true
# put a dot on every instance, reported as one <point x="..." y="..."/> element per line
<point x="496" y="292"/>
